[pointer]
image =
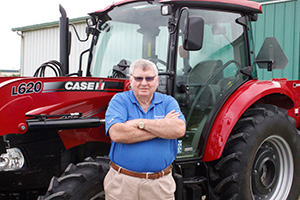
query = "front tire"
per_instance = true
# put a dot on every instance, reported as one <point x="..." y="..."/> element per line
<point x="261" y="158"/>
<point x="83" y="181"/>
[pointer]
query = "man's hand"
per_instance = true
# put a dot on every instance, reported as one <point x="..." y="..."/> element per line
<point x="129" y="132"/>
<point x="172" y="115"/>
<point x="170" y="127"/>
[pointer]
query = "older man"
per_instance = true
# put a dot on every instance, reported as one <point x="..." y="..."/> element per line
<point x="143" y="126"/>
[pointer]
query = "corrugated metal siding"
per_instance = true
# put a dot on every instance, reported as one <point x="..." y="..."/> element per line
<point x="280" y="20"/>
<point x="40" y="46"/>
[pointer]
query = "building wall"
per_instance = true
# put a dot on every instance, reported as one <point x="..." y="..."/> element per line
<point x="38" y="46"/>
<point x="280" y="19"/>
<point x="42" y="45"/>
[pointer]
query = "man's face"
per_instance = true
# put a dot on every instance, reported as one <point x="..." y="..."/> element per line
<point x="143" y="83"/>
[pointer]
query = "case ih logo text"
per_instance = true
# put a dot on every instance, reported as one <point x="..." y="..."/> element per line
<point x="73" y="86"/>
<point x="79" y="86"/>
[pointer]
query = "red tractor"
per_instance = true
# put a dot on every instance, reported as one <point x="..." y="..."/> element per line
<point x="241" y="141"/>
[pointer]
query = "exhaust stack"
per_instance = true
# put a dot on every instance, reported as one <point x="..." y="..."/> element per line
<point x="65" y="40"/>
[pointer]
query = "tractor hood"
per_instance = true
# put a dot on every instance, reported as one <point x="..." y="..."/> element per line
<point x="26" y="98"/>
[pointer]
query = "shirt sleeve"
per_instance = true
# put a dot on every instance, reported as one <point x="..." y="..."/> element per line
<point x="115" y="113"/>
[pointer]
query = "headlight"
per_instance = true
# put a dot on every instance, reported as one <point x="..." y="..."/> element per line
<point x="13" y="159"/>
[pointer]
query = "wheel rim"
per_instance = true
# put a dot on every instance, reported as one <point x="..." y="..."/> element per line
<point x="273" y="170"/>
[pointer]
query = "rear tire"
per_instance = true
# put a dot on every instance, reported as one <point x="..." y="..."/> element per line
<point x="261" y="158"/>
<point x="83" y="181"/>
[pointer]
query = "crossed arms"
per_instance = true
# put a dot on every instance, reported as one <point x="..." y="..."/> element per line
<point x="170" y="127"/>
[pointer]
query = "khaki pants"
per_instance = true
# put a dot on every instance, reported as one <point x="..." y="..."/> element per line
<point x="118" y="186"/>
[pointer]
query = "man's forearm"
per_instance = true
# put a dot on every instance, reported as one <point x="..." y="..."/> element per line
<point x="124" y="133"/>
<point x="167" y="129"/>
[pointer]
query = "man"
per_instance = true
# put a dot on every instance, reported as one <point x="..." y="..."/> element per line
<point x="143" y="126"/>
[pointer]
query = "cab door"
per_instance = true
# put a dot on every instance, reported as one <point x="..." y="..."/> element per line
<point x="205" y="77"/>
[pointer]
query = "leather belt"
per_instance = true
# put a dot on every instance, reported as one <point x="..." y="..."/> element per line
<point x="148" y="175"/>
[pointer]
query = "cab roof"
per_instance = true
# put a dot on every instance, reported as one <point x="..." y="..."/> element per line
<point x="232" y="5"/>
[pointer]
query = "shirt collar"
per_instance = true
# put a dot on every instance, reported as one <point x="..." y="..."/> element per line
<point x="156" y="98"/>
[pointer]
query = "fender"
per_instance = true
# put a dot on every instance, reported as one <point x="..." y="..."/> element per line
<point x="249" y="93"/>
<point x="12" y="115"/>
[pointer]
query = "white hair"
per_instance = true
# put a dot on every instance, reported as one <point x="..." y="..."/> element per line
<point x="144" y="64"/>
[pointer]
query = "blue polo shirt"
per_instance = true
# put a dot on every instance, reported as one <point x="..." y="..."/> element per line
<point x="147" y="156"/>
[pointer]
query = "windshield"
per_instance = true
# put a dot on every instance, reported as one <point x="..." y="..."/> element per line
<point x="135" y="31"/>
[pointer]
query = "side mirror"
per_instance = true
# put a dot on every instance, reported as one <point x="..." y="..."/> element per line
<point x="193" y="33"/>
<point x="271" y="55"/>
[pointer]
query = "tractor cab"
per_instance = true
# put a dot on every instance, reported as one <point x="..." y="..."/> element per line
<point x="203" y="53"/>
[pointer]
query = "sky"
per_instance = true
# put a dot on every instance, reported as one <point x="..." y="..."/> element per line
<point x="19" y="13"/>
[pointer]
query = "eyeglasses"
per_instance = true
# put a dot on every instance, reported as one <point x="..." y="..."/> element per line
<point x="140" y="78"/>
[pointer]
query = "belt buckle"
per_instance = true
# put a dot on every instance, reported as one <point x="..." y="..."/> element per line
<point x="147" y="175"/>
<point x="119" y="170"/>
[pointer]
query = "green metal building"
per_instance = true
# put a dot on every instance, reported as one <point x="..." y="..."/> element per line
<point x="280" y="19"/>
